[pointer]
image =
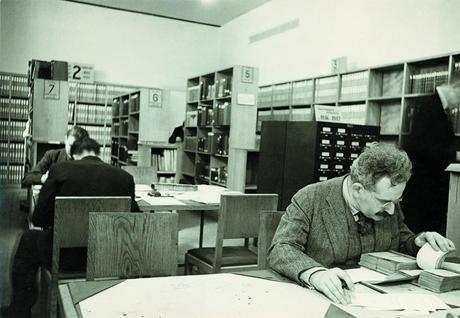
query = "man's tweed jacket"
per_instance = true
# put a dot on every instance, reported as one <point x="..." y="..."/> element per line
<point x="318" y="229"/>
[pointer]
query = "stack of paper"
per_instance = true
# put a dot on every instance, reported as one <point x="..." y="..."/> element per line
<point x="439" y="280"/>
<point x="388" y="262"/>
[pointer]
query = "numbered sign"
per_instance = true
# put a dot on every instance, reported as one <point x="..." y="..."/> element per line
<point x="155" y="99"/>
<point x="79" y="72"/>
<point x="52" y="90"/>
<point x="248" y="74"/>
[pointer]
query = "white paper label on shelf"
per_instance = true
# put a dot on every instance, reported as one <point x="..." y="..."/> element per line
<point x="52" y="90"/>
<point x="328" y="113"/>
<point x="324" y="166"/>
<point x="339" y="167"/>
<point x="325" y="141"/>
<point x="155" y="98"/>
<point x="341" y="130"/>
<point x="325" y="154"/>
<point x="355" y="143"/>
<point x="246" y="99"/>
<point x="322" y="178"/>
<point x="327" y="129"/>
<point x="354" y="155"/>
<point x="340" y="142"/>
<point x="79" y="72"/>
<point x="339" y="154"/>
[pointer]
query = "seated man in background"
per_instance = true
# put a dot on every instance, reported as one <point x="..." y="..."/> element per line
<point x="332" y="223"/>
<point x="87" y="175"/>
<point x="39" y="173"/>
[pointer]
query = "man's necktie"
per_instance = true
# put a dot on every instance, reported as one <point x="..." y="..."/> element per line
<point x="364" y="224"/>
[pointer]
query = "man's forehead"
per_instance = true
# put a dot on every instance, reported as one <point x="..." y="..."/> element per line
<point x="383" y="187"/>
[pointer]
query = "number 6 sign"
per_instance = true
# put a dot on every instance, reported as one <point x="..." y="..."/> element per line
<point x="155" y="98"/>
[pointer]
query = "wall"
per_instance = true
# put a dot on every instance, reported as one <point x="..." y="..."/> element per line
<point x="125" y="47"/>
<point x="368" y="32"/>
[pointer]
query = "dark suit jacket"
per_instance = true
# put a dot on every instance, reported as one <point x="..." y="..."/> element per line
<point x="89" y="176"/>
<point x="50" y="158"/>
<point x="315" y="231"/>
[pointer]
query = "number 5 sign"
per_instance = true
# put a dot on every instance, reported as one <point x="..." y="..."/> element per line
<point x="248" y="74"/>
<point x="155" y="97"/>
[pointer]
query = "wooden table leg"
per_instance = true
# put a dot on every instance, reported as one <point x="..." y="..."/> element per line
<point x="200" y="244"/>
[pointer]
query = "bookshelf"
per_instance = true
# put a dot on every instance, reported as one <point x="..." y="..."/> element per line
<point x="220" y="125"/>
<point x="379" y="96"/>
<point x="140" y="130"/>
<point x="13" y="119"/>
<point x="90" y="106"/>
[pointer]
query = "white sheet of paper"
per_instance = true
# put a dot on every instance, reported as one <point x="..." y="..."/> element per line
<point x="142" y="187"/>
<point x="363" y="274"/>
<point x="397" y="301"/>
<point x="159" y="200"/>
<point x="197" y="296"/>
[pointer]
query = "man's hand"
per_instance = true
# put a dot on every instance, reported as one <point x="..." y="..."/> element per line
<point x="436" y="240"/>
<point x="329" y="282"/>
<point x="44" y="177"/>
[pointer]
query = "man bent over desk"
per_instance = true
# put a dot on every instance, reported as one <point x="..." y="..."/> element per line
<point x="332" y="223"/>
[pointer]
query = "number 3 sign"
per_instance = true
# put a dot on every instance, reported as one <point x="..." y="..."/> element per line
<point x="155" y="98"/>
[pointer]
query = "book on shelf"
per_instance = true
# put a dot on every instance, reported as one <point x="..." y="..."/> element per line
<point x="193" y="93"/>
<point x="221" y="114"/>
<point x="354" y="85"/>
<point x="281" y="94"/>
<point x="264" y="98"/>
<point x="223" y="87"/>
<point x="302" y="92"/>
<point x="427" y="82"/>
<point x="388" y="262"/>
<point x="165" y="162"/>
<point x="191" y="118"/>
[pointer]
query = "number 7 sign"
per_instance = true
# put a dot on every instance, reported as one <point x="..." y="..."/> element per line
<point x="51" y="89"/>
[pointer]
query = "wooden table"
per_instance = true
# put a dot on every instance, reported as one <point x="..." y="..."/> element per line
<point x="182" y="205"/>
<point x="71" y="294"/>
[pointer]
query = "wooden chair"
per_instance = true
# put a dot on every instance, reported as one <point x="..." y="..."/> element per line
<point x="70" y="231"/>
<point x="269" y="221"/>
<point x="142" y="175"/>
<point x="238" y="218"/>
<point x="129" y="245"/>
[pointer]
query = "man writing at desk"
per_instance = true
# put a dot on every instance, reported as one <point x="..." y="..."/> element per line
<point x="87" y="175"/>
<point x="332" y="223"/>
<point x="39" y="173"/>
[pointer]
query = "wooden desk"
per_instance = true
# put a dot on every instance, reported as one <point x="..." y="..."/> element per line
<point x="186" y="204"/>
<point x="312" y="303"/>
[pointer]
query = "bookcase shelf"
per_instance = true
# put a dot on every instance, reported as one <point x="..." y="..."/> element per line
<point x="220" y="128"/>
<point x="372" y="96"/>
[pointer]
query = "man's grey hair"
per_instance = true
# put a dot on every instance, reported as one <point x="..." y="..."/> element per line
<point x="381" y="160"/>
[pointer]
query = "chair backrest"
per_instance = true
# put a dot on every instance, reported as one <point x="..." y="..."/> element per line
<point x="269" y="221"/>
<point x="239" y="218"/>
<point x="142" y="175"/>
<point x="239" y="214"/>
<point x="131" y="245"/>
<point x="71" y="220"/>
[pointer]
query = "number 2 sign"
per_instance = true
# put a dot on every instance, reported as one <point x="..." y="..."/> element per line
<point x="79" y="72"/>
<point x="51" y="89"/>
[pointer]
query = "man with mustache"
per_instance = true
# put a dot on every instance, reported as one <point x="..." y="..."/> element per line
<point x="331" y="223"/>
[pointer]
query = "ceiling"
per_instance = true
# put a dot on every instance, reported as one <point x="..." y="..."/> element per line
<point x="209" y="12"/>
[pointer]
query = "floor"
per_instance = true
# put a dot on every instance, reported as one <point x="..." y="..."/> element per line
<point x="13" y="222"/>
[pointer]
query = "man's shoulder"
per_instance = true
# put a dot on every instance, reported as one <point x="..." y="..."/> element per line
<point x="54" y="153"/>
<point x="323" y="186"/>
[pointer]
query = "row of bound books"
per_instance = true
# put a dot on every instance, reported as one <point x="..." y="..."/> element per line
<point x="219" y="115"/>
<point x="89" y="114"/>
<point x="427" y="82"/>
<point x="17" y="85"/>
<point x="12" y="130"/>
<point x="11" y="174"/>
<point x="17" y="109"/>
<point x="166" y="161"/>
<point x="12" y="153"/>
<point x="437" y="280"/>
